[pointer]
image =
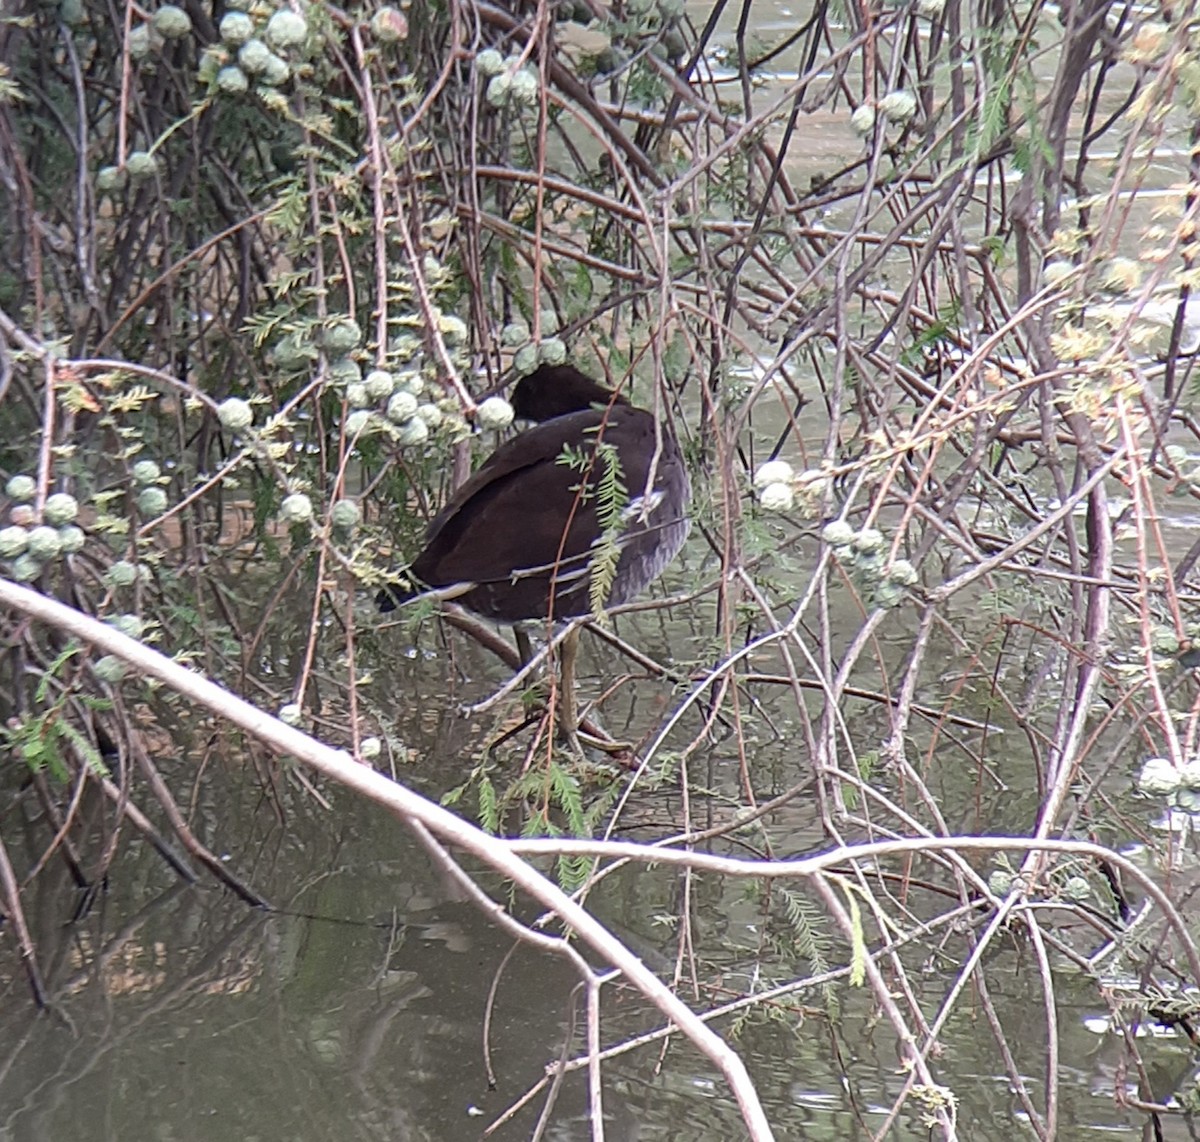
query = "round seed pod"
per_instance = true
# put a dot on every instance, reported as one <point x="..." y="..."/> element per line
<point x="345" y="371"/>
<point x="71" y="538"/>
<point x="13" y="541"/>
<point x="514" y="335"/>
<point x="141" y="41"/>
<point x="494" y="413"/>
<point x="774" y="472"/>
<point x="277" y="72"/>
<point x="60" y="509"/>
<point x="777" y="498"/>
<point x="380" y="384"/>
<point x="110" y="179"/>
<point x="172" y="22"/>
<point x="141" y="165"/>
<point x="412" y="432"/>
<point x="888" y="595"/>
<point x="21" y="488"/>
<point x="863" y="119"/>
<point x="341" y="337"/>
<point x="146" y="472"/>
<point x="291" y="714"/>
<point x="552" y="351"/>
<point x="152" y="501"/>
<point x="235" y="28"/>
<point x="899" y="106"/>
<point x="1077" y="889"/>
<point x="296" y="508"/>
<point x="22" y="515"/>
<point x="489" y="62"/>
<point x="357" y="396"/>
<point x="430" y="414"/>
<point x="1000" y="882"/>
<point x="410" y="382"/>
<point x="253" y="57"/>
<point x="130" y="625"/>
<point x="389" y="25"/>
<point x="235" y="414"/>
<point x="370" y="748"/>
<point x="24" y="569"/>
<point x="498" y="89"/>
<point x="1158" y="778"/>
<point x="44" y="544"/>
<point x="345" y="514"/>
<point x="110" y="669"/>
<point x="359" y="422"/>
<point x="122" y="574"/>
<point x="868" y="541"/>
<point x="400" y="407"/>
<point x="902" y="573"/>
<point x="286" y="29"/>
<point x="526" y="88"/>
<point x="838" y="533"/>
<point x="526" y="359"/>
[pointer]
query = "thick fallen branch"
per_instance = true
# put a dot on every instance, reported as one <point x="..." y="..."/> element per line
<point x="338" y="765"/>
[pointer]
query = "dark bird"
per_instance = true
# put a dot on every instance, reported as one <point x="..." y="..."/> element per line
<point x="579" y="513"/>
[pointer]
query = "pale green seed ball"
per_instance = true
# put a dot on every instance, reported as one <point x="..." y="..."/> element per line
<point x="141" y="165"/>
<point x="552" y="351"/>
<point x="24" y="569"/>
<point x="1077" y="889"/>
<point x="152" y="501"/>
<point x="357" y="396"/>
<point x="359" y="422"/>
<point x="838" y="533"/>
<point x="296" y="508"/>
<point x="379" y="384"/>
<point x="236" y="28"/>
<point x="286" y="29"/>
<point x="60" y="509"/>
<point x="370" y="748"/>
<point x="253" y="57"/>
<point x="141" y="41"/>
<point x="13" y="541"/>
<point x="172" y="22"/>
<point x="345" y="514"/>
<point x="21" y="488"/>
<point x="1000" y="882"/>
<point x="110" y="179"/>
<point x="494" y="413"/>
<point x="430" y="414"/>
<point x="146" y="472"/>
<point x="345" y="371"/>
<point x="514" y="335"/>
<point x="777" y="498"/>
<point x="129" y="625"/>
<point x="412" y="432"/>
<point x="902" y="573"/>
<point x="868" y="541"/>
<point x="235" y="414"/>
<point x="773" y="472"/>
<point x="110" y="669"/>
<point x="525" y="88"/>
<point x="341" y="337"/>
<point x="526" y="359"/>
<point x="291" y="714"/>
<point x="122" y="574"/>
<point x="489" y="62"/>
<point x="277" y="72"/>
<point x="389" y="25"/>
<point x="498" y="89"/>
<point x="44" y="544"/>
<point x="401" y="406"/>
<point x="72" y="539"/>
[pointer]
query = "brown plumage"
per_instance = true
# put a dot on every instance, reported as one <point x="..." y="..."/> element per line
<point x="519" y="536"/>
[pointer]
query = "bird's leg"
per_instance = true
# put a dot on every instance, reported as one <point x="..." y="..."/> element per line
<point x="568" y="652"/>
